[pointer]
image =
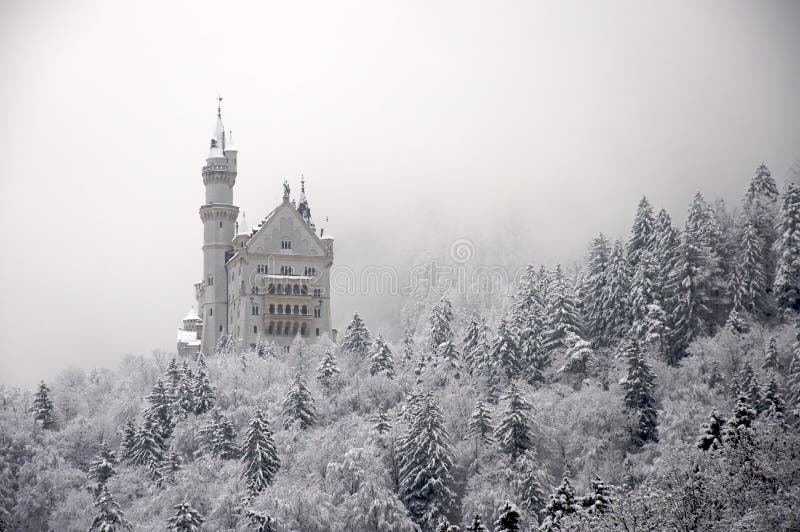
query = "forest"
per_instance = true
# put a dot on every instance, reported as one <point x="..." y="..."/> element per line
<point x="655" y="385"/>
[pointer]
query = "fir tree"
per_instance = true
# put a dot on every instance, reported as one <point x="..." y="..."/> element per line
<point x="793" y="382"/>
<point x="381" y="420"/>
<point x="148" y="447"/>
<point x="714" y="376"/>
<point x="639" y="386"/>
<point x="476" y="525"/>
<point x="527" y="323"/>
<point x="736" y="322"/>
<point x="109" y="517"/>
<point x="264" y="350"/>
<point x="711" y="438"/>
<point x="739" y="425"/>
<point x="169" y="466"/>
<point x="382" y="360"/>
<point x="616" y="295"/>
<point x="787" y="278"/>
<point x="408" y="348"/>
<point x="356" y="337"/>
<point x="186" y="518"/>
<point x="749" y="386"/>
<point x="223" y="438"/>
<point x="426" y="462"/>
<point x="298" y="407"/>
<point x="260" y="521"/>
<point x="649" y="319"/>
<point x="579" y="358"/>
<point x="642" y="233"/>
<point x="595" y="290"/>
<point x="598" y="500"/>
<point x="562" y="503"/>
<point x="562" y="317"/>
<point x="504" y="355"/>
<point x="102" y="468"/>
<point x="42" y="407"/>
<point x="128" y="439"/>
<point x="259" y="455"/>
<point x="771" y="360"/>
<point x="184" y="399"/>
<point x="509" y="519"/>
<point x="751" y="288"/>
<point x="204" y="395"/>
<point x="172" y="379"/>
<point x="328" y="369"/>
<point x="473" y="345"/>
<point x="775" y="407"/>
<point x="529" y="481"/>
<point x="480" y="426"/>
<point x="760" y="209"/>
<point x="513" y="432"/>
<point x="441" y="328"/>
<point x="159" y="409"/>
<point x="447" y="358"/>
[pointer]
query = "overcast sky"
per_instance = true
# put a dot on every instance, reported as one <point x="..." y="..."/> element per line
<point x="412" y="121"/>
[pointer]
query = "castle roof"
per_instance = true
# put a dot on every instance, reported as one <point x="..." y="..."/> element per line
<point x="192" y="315"/>
<point x="241" y="225"/>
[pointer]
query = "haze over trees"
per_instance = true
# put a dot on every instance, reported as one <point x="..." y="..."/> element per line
<point x="654" y="385"/>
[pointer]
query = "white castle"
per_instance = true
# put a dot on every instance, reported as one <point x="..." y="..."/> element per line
<point x="271" y="283"/>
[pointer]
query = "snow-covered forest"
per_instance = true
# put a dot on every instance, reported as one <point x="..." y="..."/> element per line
<point x="654" y="386"/>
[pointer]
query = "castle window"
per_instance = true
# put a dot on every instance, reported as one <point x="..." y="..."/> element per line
<point x="280" y="309"/>
<point x="255" y="329"/>
<point x="317" y="312"/>
<point x="304" y="290"/>
<point x="304" y="310"/>
<point x="296" y="309"/>
<point x="220" y="225"/>
<point x="210" y="312"/>
<point x="288" y="309"/>
<point x="278" y="328"/>
<point x="261" y="268"/>
<point x="272" y="309"/>
<point x="220" y="328"/>
<point x="254" y="310"/>
<point x="317" y="292"/>
<point x="271" y="288"/>
<point x="317" y="331"/>
<point x="296" y="290"/>
<point x="303" y="330"/>
<point x="210" y="280"/>
<point x="286" y="244"/>
<point x="271" y="329"/>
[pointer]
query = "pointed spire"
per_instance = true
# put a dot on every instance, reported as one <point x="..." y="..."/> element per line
<point x="302" y="207"/>
<point x="241" y="225"/>
<point x="217" y="147"/>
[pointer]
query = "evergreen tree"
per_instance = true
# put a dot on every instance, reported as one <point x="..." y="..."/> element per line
<point x="579" y="358"/>
<point x="260" y="521"/>
<point x="186" y="518"/>
<point x="735" y="322"/>
<point x="128" y="439"/>
<point x="299" y="405"/>
<point x="714" y="376"/>
<point x="185" y="401"/>
<point x="447" y="357"/>
<point x="381" y="420"/>
<point x="595" y="290"/>
<point x="408" y="348"/>
<point x="529" y="481"/>
<point x="264" y="350"/>
<point x="109" y="517"/>
<point x="441" y="319"/>
<point x="562" y="503"/>
<point x="751" y="288"/>
<point x="598" y="500"/>
<point x="476" y="525"/>
<point x="509" y="519"/>
<point x="739" y="425"/>
<point x="259" y="455"/>
<point x="775" y="407"/>
<point x="513" y="432"/>
<point x="219" y="437"/>
<point x="527" y="324"/>
<point x="328" y="369"/>
<point x="760" y="208"/>
<point x="504" y="355"/>
<point x="474" y="344"/>
<point x="562" y="317"/>
<point x="356" y="337"/>
<point x="749" y="386"/>
<point x="641" y="233"/>
<point x="793" y="380"/>
<point x="102" y="468"/>
<point x="42" y="407"/>
<point x="480" y="426"/>
<point x="649" y="319"/>
<point x="639" y="386"/>
<point x="787" y="278"/>
<point x="382" y="360"/>
<point x="771" y="360"/>
<point x="148" y="447"/>
<point x="426" y="462"/>
<point x="204" y="395"/>
<point x="172" y="379"/>
<point x="159" y="410"/>
<point x="711" y="438"/>
<point x="170" y="466"/>
<point x="616" y="295"/>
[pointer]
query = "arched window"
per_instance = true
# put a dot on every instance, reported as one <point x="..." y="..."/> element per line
<point x="303" y="330"/>
<point x="305" y="310"/>
<point x="294" y="330"/>
<point x="271" y="288"/>
<point x="272" y="308"/>
<point x="288" y="309"/>
<point x="304" y="290"/>
<point x="280" y="309"/>
<point x="296" y="309"/>
<point x="271" y="328"/>
<point x="296" y="290"/>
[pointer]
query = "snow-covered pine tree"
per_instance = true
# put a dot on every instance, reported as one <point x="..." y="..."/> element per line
<point x="382" y="425"/>
<point x="513" y="432"/>
<point x="509" y="519"/>
<point x="771" y="359"/>
<point x="260" y="521"/>
<point x="219" y="437"/>
<point x="264" y="350"/>
<point x="480" y="426"/>
<point x="793" y="380"/>
<point x="381" y="360"/>
<point x="298" y="406"/>
<point x="787" y="277"/>
<point x="441" y="323"/>
<point x="185" y="401"/>
<point x="598" y="500"/>
<point x="641" y="233"/>
<point x="666" y="243"/>
<point x="774" y="405"/>
<point x="562" y="503"/>
<point x="760" y="209"/>
<point x="204" y="395"/>
<point x="42" y="407"/>
<point x="109" y="517"/>
<point x="714" y="376"/>
<point x="579" y="359"/>
<point x="649" y="320"/>
<point x="408" y="348"/>
<point x="617" y="294"/>
<point x="739" y="426"/>
<point x="128" y="440"/>
<point x="711" y="438"/>
<point x="476" y="525"/>
<point x="595" y="280"/>
<point x="736" y="322"/>
<point x="504" y="354"/>
<point x="527" y="321"/>
<point x="356" y="337"/>
<point x="102" y="467"/>
<point x="328" y="369"/>
<point x="447" y="358"/>
<point x="170" y="466"/>
<point x="148" y="447"/>
<point x="159" y="408"/>
<point x="529" y="481"/>
<point x="172" y="377"/>
<point x="639" y="385"/>
<point x="259" y="455"/>
<point x="752" y="286"/>
<point x="185" y="519"/>
<point x="426" y="462"/>
<point x="749" y="386"/>
<point x="473" y="345"/>
<point x="562" y="317"/>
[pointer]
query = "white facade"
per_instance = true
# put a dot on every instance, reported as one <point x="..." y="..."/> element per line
<point x="272" y="282"/>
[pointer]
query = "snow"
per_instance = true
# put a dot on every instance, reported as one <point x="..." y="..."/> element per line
<point x="188" y="337"/>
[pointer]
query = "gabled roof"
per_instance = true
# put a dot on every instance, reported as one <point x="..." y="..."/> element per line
<point x="285" y="206"/>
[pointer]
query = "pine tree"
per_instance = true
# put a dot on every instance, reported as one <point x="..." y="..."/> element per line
<point x="738" y="427"/>
<point x="474" y="344"/>
<point x="426" y="462"/>
<point x="109" y="517"/>
<point x="169" y="467"/>
<point x="529" y="481"/>
<point x="476" y="525"/>
<point x="793" y="379"/>
<point x="186" y="518"/>
<point x="102" y="468"/>
<point x="159" y="410"/>
<point x="736" y="322"/>
<point x="596" y="280"/>
<point x="579" y="358"/>
<point x="408" y="348"/>
<point x="711" y="438"/>
<point x="148" y="447"/>
<point x="328" y="369"/>
<point x="616" y="295"/>
<point x="562" y="317"/>
<point x="749" y="386"/>
<point x="382" y="360"/>
<point x="356" y="337"/>
<point x="259" y="455"/>
<point x="440" y="325"/>
<point x="751" y="288"/>
<point x="513" y="432"/>
<point x="504" y="354"/>
<point x="260" y="521"/>
<point x="172" y="378"/>
<point x="264" y="350"/>
<point x="787" y="278"/>
<point x="598" y="500"/>
<point x="480" y="426"/>
<point x="381" y="420"/>
<point x="775" y="407"/>
<point x="42" y="407"/>
<point x="128" y="439"/>
<point x="642" y="233"/>
<point x="649" y="319"/>
<point x="639" y="386"/>
<point x="223" y="444"/>
<point x="184" y="398"/>
<point x="204" y="395"/>
<point x="527" y="324"/>
<point x="771" y="360"/>
<point x="562" y="503"/>
<point x="760" y="209"/>
<point x="298" y="407"/>
<point x="509" y="519"/>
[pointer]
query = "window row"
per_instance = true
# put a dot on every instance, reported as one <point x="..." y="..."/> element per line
<point x="288" y="309"/>
<point x="288" y="329"/>
<point x="288" y="289"/>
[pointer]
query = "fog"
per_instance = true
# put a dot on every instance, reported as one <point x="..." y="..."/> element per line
<point x="531" y="124"/>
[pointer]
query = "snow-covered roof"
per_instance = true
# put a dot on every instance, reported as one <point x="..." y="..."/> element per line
<point x="229" y="145"/>
<point x="241" y="225"/>
<point x="188" y="337"/>
<point x="289" y="277"/>
<point x="217" y="140"/>
<point x="191" y="315"/>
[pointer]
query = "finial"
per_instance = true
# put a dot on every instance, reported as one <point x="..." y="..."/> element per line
<point x="302" y="183"/>
<point x="219" y="106"/>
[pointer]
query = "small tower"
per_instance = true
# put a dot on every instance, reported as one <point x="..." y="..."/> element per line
<point x="302" y="206"/>
<point x="219" y="217"/>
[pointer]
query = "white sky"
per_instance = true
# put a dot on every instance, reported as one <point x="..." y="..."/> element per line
<point x="405" y="117"/>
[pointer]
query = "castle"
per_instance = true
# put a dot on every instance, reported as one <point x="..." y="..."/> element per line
<point x="271" y="283"/>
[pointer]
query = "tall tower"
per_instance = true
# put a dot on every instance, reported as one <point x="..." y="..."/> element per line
<point x="219" y="218"/>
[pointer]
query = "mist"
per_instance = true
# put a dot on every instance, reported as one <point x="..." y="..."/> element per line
<point x="528" y="123"/>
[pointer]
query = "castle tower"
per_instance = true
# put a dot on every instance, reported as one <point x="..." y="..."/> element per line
<point x="219" y="218"/>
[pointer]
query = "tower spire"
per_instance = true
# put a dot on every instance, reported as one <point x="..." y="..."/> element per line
<point x="219" y="105"/>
